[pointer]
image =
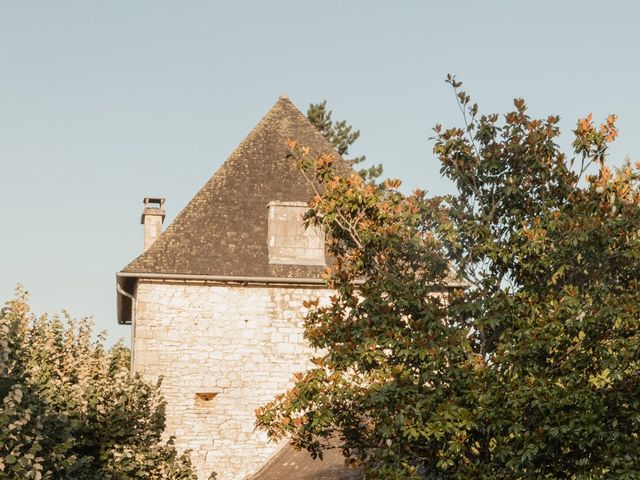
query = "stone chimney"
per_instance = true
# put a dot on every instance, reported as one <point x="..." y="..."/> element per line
<point x="152" y="218"/>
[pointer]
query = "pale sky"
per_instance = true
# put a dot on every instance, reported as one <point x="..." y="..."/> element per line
<point x="105" y="102"/>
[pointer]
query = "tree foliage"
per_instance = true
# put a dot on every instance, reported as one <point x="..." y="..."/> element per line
<point x="74" y="411"/>
<point x="341" y="135"/>
<point x="527" y="363"/>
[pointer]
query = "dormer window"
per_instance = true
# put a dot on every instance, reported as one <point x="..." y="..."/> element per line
<point x="290" y="243"/>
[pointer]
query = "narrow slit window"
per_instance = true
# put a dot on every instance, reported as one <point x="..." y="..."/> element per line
<point x="205" y="402"/>
<point x="206" y="396"/>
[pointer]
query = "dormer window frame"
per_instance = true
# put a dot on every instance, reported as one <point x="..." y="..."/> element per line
<point x="282" y="251"/>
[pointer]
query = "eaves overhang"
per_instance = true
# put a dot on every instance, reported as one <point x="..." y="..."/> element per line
<point x="126" y="283"/>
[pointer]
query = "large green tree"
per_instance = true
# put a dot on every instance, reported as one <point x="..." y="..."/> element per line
<point x="526" y="362"/>
<point x="69" y="409"/>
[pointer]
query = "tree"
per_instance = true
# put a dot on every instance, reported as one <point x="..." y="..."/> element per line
<point x="530" y="368"/>
<point x="341" y="135"/>
<point x="74" y="411"/>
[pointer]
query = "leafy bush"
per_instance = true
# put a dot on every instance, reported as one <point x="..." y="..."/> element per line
<point x="74" y="411"/>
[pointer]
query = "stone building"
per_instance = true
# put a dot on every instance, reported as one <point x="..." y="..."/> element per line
<point x="216" y="304"/>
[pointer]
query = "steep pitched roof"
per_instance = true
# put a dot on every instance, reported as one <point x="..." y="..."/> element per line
<point x="223" y="229"/>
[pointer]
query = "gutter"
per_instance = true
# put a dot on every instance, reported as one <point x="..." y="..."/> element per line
<point x="223" y="278"/>
<point x="121" y="291"/>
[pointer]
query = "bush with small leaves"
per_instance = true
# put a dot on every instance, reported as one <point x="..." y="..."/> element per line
<point x="72" y="410"/>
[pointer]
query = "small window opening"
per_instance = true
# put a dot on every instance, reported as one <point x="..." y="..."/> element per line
<point x="206" y="396"/>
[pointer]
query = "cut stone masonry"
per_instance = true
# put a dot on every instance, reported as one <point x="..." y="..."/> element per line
<point x="241" y="343"/>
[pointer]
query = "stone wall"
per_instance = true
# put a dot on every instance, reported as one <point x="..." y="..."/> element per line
<point x="222" y="351"/>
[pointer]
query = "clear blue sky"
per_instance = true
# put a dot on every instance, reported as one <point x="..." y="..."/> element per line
<point x="102" y="103"/>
